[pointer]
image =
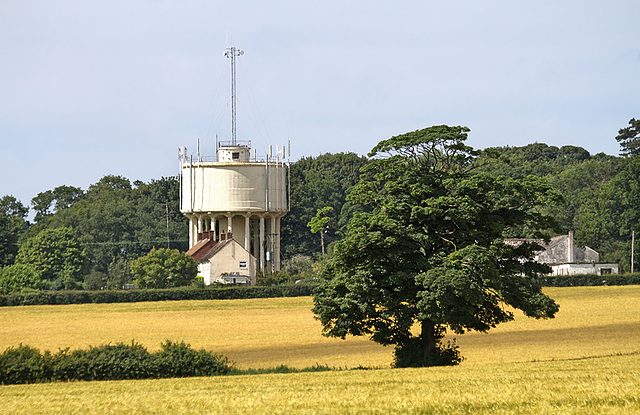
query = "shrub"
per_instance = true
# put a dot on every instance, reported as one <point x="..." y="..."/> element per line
<point x="177" y="360"/>
<point x="119" y="361"/>
<point x="24" y="364"/>
<point x="106" y="362"/>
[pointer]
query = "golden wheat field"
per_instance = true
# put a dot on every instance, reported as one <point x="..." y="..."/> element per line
<point x="586" y="360"/>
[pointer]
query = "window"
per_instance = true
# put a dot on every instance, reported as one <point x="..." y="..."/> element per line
<point x="235" y="155"/>
<point x="605" y="271"/>
<point x="243" y="264"/>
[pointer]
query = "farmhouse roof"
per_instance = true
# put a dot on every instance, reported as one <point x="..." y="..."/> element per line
<point x="206" y="248"/>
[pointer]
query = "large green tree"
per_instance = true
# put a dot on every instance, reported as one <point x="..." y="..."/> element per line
<point x="16" y="277"/>
<point x="164" y="268"/>
<point x="427" y="253"/>
<point x="57" y="256"/>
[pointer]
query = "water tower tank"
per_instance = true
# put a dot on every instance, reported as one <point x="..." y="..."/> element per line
<point x="238" y="195"/>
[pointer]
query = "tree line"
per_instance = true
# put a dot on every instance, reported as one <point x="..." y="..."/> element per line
<point x="89" y="238"/>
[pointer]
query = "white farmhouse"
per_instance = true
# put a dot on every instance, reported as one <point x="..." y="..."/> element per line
<point x="566" y="258"/>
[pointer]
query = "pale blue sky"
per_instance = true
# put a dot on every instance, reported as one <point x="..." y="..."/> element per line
<point x="91" y="88"/>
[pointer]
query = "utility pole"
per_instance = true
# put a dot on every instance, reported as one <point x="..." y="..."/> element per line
<point x="231" y="53"/>
<point x="166" y="211"/>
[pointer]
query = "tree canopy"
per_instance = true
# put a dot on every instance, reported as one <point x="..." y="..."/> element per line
<point x="427" y="248"/>
<point x="13" y="224"/>
<point x="116" y="220"/>
<point x="629" y="139"/>
<point x="316" y="183"/>
<point x="57" y="256"/>
<point x="164" y="268"/>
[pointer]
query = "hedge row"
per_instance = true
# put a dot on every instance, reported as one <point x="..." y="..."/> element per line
<point x="590" y="280"/>
<point x="174" y="294"/>
<point x="241" y="292"/>
<point x="26" y="364"/>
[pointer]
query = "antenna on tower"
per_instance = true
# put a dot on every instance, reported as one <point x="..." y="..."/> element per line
<point x="231" y="53"/>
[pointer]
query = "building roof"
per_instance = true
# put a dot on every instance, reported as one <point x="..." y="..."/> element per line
<point x="516" y="242"/>
<point x="206" y="248"/>
<point x="200" y="249"/>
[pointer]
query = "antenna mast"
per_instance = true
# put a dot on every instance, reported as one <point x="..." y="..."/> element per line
<point x="231" y="53"/>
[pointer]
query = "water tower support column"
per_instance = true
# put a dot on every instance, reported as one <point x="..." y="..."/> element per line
<point x="262" y="262"/>
<point x="247" y="233"/>
<point x="276" y="250"/>
<point x="256" y="240"/>
<point x="229" y="223"/>
<point x="274" y="241"/>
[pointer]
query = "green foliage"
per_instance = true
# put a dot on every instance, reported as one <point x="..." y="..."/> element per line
<point x="318" y="182"/>
<point x="599" y="193"/>
<point x="115" y="220"/>
<point x="606" y="220"/>
<point x="427" y="248"/>
<point x="95" y="280"/>
<point x="281" y="369"/>
<point x="48" y="202"/>
<point x="118" y="361"/>
<point x="17" y="277"/>
<point x="13" y="225"/>
<point x="178" y="360"/>
<point x="320" y="222"/>
<point x="299" y="267"/>
<point x="119" y="274"/>
<point x="164" y="268"/>
<point x="273" y="279"/>
<point x="538" y="159"/>
<point x="57" y="255"/>
<point x="629" y="139"/>
<point x="106" y="362"/>
<point x="174" y="294"/>
<point x="578" y="183"/>
<point x="590" y="280"/>
<point x="24" y="364"/>
<point x="411" y="354"/>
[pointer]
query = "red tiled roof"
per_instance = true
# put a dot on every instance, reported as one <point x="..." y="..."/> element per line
<point x="206" y="248"/>
<point x="199" y="250"/>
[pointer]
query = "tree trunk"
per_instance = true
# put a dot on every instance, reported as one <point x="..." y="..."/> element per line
<point x="428" y="337"/>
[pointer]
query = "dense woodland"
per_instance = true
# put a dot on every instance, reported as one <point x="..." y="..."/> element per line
<point x="88" y="238"/>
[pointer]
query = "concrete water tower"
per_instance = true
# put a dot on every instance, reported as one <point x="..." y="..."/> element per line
<point x="235" y="197"/>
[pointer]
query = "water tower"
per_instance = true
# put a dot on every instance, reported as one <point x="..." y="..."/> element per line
<point x="235" y="197"/>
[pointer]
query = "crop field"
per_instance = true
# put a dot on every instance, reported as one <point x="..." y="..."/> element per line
<point x="586" y="360"/>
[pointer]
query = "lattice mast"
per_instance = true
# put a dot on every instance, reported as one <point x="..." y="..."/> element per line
<point x="231" y="53"/>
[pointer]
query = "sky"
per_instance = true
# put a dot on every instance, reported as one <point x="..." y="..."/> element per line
<point x="91" y="88"/>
